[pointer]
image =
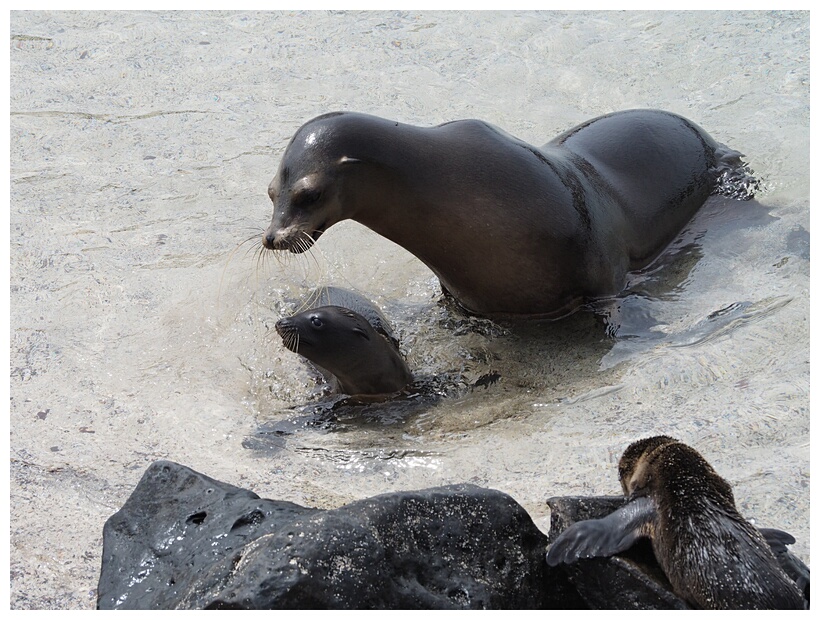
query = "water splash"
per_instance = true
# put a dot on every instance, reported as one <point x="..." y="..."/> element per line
<point x="735" y="178"/>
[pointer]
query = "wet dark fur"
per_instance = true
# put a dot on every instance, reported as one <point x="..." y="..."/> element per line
<point x="712" y="556"/>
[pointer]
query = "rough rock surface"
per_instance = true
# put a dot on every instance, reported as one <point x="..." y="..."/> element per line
<point x="186" y="541"/>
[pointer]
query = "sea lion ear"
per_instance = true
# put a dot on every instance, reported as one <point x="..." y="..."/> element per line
<point x="361" y="332"/>
<point x="344" y="159"/>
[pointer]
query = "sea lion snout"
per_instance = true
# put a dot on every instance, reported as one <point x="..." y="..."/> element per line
<point x="291" y="238"/>
<point x="283" y="326"/>
<point x="289" y="332"/>
<point x="302" y="210"/>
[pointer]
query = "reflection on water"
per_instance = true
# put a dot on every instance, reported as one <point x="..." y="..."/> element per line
<point x="717" y="324"/>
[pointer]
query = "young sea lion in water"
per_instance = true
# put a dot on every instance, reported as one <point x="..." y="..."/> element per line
<point x="713" y="558"/>
<point x="351" y="340"/>
<point x="508" y="228"/>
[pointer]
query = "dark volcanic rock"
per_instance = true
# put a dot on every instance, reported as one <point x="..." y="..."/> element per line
<point x="186" y="541"/>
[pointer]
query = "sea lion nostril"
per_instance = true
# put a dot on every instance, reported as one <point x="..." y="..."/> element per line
<point x="290" y="239"/>
<point x="269" y="241"/>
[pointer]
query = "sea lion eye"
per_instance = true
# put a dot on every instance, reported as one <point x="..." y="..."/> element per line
<point x="306" y="197"/>
<point x="316" y="321"/>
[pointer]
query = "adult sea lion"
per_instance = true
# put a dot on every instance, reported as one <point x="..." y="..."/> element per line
<point x="347" y="336"/>
<point x="509" y="229"/>
<point x="713" y="558"/>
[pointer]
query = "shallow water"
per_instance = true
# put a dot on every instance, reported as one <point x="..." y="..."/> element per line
<point x="142" y="314"/>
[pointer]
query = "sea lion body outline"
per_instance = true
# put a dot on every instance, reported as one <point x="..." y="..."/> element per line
<point x="712" y="556"/>
<point x="509" y="229"/>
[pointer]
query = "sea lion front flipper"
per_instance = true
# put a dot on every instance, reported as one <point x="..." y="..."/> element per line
<point x="601" y="538"/>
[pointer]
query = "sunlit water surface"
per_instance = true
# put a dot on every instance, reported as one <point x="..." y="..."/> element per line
<point x="142" y="313"/>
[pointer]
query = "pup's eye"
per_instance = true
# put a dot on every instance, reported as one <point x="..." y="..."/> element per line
<point x="316" y="321"/>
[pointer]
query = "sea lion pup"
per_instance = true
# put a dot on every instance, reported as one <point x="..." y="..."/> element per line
<point x="349" y="338"/>
<point x="713" y="558"/>
<point x="510" y="229"/>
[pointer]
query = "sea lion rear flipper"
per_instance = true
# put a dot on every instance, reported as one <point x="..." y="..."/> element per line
<point x="597" y="538"/>
<point x="791" y="564"/>
<point x="777" y="539"/>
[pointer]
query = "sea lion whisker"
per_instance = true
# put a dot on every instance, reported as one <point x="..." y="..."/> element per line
<point x="309" y="251"/>
<point x="254" y="245"/>
<point x="301" y="244"/>
<point x="252" y="240"/>
<point x="291" y="340"/>
<point x="283" y="259"/>
<point x="298" y="244"/>
<point x="228" y="262"/>
<point x="305" y="241"/>
<point x="260" y="258"/>
<point x="312" y="300"/>
<point x="253" y="237"/>
<point x="253" y="252"/>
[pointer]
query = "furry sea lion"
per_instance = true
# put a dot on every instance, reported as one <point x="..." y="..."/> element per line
<point x="508" y="228"/>
<point x="713" y="557"/>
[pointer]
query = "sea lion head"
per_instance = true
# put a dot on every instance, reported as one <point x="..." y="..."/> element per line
<point x="672" y="473"/>
<point x="345" y="344"/>
<point x="632" y="466"/>
<point x="328" y="336"/>
<point x="308" y="187"/>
